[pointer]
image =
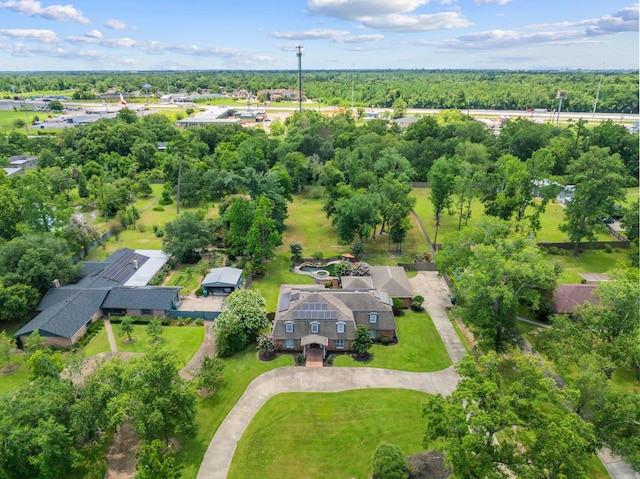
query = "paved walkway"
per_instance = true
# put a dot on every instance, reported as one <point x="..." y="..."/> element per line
<point x="436" y="298"/>
<point x="112" y="338"/>
<point x="207" y="348"/>
<point x="219" y="455"/>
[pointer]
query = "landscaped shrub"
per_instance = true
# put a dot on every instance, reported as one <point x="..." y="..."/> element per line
<point x="296" y="250"/>
<point x="159" y="233"/>
<point x="608" y="248"/>
<point x="199" y="321"/>
<point x="357" y="248"/>
<point x="165" y="202"/>
<point x="317" y="255"/>
<point x="397" y="306"/>
<point x="385" y="341"/>
<point x="416" y="303"/>
<point x="93" y="329"/>
<point x="360" y="269"/>
<point x="389" y="462"/>
<point x="158" y="208"/>
<point x="199" y="291"/>
<point x="266" y="343"/>
<point x="300" y="359"/>
<point x="343" y="269"/>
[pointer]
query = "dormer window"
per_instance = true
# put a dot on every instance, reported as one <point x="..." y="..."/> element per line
<point x="340" y="327"/>
<point x="288" y="327"/>
<point x="373" y="318"/>
<point x="315" y="327"/>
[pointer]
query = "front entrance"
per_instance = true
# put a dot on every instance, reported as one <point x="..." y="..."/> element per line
<point x="314" y="358"/>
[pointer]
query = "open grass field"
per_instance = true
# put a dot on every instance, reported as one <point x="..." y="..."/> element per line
<point x="14" y="379"/>
<point x="185" y="340"/>
<point x="8" y="116"/>
<point x="589" y="261"/>
<point x="327" y="435"/>
<point x="419" y="348"/>
<point x="549" y="221"/>
<point x="239" y="371"/>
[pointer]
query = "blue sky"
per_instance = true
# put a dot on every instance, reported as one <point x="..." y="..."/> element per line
<point x="335" y="34"/>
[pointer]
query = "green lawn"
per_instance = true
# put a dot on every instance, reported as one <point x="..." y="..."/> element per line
<point x="327" y="435"/>
<point x="99" y="344"/>
<point x="185" y="340"/>
<point x="589" y="261"/>
<point x="278" y="273"/>
<point x="239" y="371"/>
<point x="549" y="221"/>
<point x="419" y="348"/>
<point x="15" y="379"/>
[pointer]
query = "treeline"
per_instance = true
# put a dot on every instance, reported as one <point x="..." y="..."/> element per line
<point x="490" y="89"/>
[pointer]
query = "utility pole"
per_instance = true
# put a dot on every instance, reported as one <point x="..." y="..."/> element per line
<point x="299" y="54"/>
<point x="595" y="103"/>
<point x="179" y="177"/>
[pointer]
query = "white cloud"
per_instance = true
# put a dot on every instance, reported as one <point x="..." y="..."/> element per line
<point x="624" y="20"/>
<point x="93" y="34"/>
<point x="389" y="15"/>
<point x="356" y="9"/>
<point x="484" y="2"/>
<point x="114" y="24"/>
<point x="33" y="8"/>
<point x="105" y="42"/>
<point x="43" y="36"/>
<point x="496" y="39"/>
<point x="336" y="36"/>
<point x="361" y="38"/>
<point x="417" y="23"/>
<point x="313" y="34"/>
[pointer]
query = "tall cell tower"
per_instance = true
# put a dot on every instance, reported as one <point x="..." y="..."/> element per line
<point x="299" y="54"/>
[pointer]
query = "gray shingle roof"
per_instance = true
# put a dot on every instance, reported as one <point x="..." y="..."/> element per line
<point x="65" y="310"/>
<point x="223" y="277"/>
<point x="392" y="279"/>
<point x="348" y="306"/>
<point x="142" y="297"/>
<point x="65" y="318"/>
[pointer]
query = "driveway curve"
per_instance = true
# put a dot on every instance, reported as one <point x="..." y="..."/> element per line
<point x="222" y="447"/>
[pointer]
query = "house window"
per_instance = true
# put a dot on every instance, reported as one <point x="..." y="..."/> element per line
<point x="339" y="343"/>
<point x="289" y="343"/>
<point x="315" y="327"/>
<point x="288" y="327"/>
<point x="373" y="318"/>
<point x="340" y="327"/>
<point x="372" y="334"/>
<point x="148" y="312"/>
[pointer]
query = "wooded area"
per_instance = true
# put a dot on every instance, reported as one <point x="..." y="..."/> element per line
<point x="492" y="89"/>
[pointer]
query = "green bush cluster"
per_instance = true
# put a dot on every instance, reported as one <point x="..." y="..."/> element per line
<point x="94" y="329"/>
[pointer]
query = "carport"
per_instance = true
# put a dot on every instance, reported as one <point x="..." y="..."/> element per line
<point x="222" y="281"/>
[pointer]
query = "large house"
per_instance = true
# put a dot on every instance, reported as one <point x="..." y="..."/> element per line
<point x="311" y="318"/>
<point x="391" y="279"/>
<point x="567" y="296"/>
<point x="117" y="285"/>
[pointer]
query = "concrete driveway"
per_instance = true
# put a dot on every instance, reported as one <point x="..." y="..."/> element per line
<point x="436" y="298"/>
<point x="219" y="455"/>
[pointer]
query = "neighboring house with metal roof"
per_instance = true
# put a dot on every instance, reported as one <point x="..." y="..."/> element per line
<point x="222" y="281"/>
<point x="326" y="319"/>
<point x="567" y="296"/>
<point x="13" y="172"/>
<point x="104" y="288"/>
<point x="393" y="280"/>
<point x="25" y="162"/>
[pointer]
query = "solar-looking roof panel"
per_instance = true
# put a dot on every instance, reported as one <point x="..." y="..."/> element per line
<point x="314" y="314"/>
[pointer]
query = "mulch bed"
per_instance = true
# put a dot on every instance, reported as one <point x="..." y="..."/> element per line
<point x="9" y="368"/>
<point x="267" y="356"/>
<point x="428" y="465"/>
